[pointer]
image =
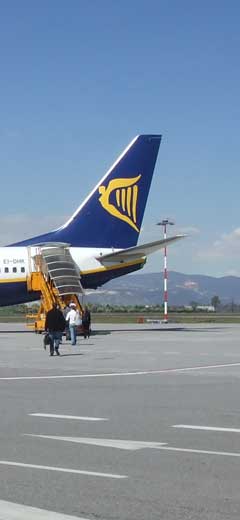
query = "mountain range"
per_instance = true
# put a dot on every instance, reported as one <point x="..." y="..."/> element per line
<point x="147" y="289"/>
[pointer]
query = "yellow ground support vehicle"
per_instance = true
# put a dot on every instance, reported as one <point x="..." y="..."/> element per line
<point x="55" y="276"/>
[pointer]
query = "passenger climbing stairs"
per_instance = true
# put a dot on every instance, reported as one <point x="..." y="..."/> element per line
<point x="55" y="278"/>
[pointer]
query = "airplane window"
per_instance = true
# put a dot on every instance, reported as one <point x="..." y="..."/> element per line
<point x="6" y="270"/>
<point x="22" y="269"/>
<point x="14" y="270"/>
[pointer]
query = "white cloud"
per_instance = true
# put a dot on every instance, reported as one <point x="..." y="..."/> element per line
<point x="191" y="255"/>
<point x="232" y="272"/>
<point x="189" y="230"/>
<point x="227" y="246"/>
<point x="151" y="232"/>
<point x="16" y="227"/>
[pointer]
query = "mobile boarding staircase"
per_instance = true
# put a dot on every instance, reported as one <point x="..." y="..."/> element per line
<point x="54" y="274"/>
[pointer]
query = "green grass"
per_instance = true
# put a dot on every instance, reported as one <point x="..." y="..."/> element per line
<point x="173" y="318"/>
<point x="12" y="319"/>
<point x="135" y="318"/>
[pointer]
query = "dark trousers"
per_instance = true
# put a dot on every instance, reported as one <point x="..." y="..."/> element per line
<point x="55" y="337"/>
<point x="86" y="329"/>
<point x="67" y="332"/>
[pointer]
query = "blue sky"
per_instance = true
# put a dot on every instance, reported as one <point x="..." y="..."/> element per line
<point x="80" y="79"/>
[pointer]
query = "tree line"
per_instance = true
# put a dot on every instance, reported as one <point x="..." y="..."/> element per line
<point x="23" y="309"/>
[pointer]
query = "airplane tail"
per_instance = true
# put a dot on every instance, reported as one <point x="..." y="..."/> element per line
<point x="111" y="216"/>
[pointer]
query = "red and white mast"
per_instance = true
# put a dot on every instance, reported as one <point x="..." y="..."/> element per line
<point x="165" y="223"/>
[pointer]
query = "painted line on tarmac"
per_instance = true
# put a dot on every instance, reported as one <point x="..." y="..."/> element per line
<point x="12" y="511"/>
<point x="61" y="470"/>
<point x="105" y="443"/>
<point x="206" y="428"/>
<point x="201" y="452"/>
<point x="117" y="374"/>
<point x="135" y="445"/>
<point x="73" y="417"/>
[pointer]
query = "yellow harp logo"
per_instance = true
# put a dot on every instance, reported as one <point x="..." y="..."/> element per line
<point x="124" y="196"/>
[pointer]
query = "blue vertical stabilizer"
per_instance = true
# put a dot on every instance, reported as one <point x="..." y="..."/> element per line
<point x="111" y="216"/>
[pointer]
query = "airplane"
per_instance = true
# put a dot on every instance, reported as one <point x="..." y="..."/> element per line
<point x="102" y="233"/>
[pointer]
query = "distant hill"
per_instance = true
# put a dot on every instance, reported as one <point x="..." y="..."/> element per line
<point x="147" y="289"/>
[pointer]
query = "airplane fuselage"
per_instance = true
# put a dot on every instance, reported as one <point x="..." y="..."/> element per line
<point x="16" y="264"/>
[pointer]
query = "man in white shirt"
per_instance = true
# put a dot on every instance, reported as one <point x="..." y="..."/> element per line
<point x="71" y="318"/>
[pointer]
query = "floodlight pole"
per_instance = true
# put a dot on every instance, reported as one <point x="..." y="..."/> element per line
<point x="166" y="222"/>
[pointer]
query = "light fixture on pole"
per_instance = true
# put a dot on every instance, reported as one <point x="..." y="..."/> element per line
<point x="165" y="222"/>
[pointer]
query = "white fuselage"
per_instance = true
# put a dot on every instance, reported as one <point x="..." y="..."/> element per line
<point x="17" y="262"/>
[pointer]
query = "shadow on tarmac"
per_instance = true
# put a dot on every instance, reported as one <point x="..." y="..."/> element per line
<point x="105" y="332"/>
<point x="73" y="354"/>
<point x="101" y="332"/>
<point x="206" y="329"/>
<point x="172" y="329"/>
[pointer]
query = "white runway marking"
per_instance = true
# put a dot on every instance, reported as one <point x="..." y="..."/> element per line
<point x="106" y="443"/>
<point x="62" y="470"/>
<point x="203" y="452"/>
<point x="117" y="374"/>
<point x="207" y="428"/>
<point x="11" y="511"/>
<point x="74" y="417"/>
<point x="134" y="445"/>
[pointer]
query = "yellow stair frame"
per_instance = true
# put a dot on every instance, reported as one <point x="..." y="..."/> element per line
<point x="41" y="282"/>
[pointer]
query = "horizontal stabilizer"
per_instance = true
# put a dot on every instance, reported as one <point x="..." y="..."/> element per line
<point x="138" y="251"/>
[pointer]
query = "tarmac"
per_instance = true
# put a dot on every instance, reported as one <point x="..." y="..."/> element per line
<point x="140" y="422"/>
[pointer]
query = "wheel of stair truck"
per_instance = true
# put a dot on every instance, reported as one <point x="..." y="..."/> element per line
<point x="37" y="331"/>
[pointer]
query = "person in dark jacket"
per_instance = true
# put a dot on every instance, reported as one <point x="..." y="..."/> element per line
<point x="86" y="322"/>
<point x="55" y="325"/>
